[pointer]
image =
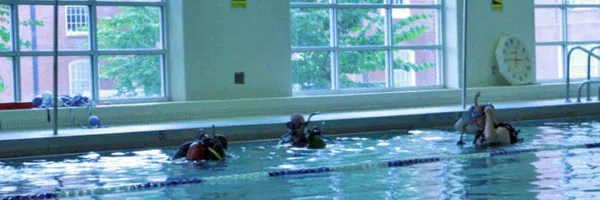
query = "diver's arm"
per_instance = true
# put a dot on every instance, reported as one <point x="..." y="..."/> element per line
<point x="460" y="125"/>
<point x="183" y="149"/>
<point x="493" y="134"/>
<point x="490" y="125"/>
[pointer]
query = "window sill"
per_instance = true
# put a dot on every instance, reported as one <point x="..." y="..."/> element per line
<point x="76" y="34"/>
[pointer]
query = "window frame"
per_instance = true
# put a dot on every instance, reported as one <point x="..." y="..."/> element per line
<point x="94" y="52"/>
<point x="334" y="48"/>
<point x="74" y="70"/>
<point x="69" y="32"/>
<point x="564" y="42"/>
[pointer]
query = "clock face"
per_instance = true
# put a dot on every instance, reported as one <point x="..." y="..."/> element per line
<point x="514" y="61"/>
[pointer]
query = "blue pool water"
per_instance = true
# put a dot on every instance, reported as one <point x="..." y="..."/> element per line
<point x="556" y="174"/>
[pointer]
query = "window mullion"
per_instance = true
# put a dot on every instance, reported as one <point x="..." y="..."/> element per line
<point x="389" y="43"/>
<point x="565" y="39"/>
<point x="335" y="54"/>
<point x="94" y="47"/>
<point x="17" y="51"/>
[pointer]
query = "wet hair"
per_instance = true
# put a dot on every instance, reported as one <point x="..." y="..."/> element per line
<point x="222" y="140"/>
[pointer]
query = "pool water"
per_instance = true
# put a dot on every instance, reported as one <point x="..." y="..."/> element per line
<point x="557" y="174"/>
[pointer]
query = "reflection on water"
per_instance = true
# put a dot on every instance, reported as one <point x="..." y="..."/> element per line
<point x="544" y="175"/>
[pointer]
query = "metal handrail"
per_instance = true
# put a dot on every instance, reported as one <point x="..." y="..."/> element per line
<point x="590" y="53"/>
<point x="589" y="72"/>
<point x="587" y="82"/>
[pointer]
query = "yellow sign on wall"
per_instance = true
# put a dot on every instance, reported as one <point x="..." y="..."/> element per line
<point x="239" y="3"/>
<point x="497" y="5"/>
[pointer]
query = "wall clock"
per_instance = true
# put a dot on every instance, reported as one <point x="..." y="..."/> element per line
<point x="514" y="62"/>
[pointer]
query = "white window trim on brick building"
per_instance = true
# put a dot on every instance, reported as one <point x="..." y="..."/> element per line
<point x="76" y="17"/>
<point x="80" y="77"/>
<point x="405" y="78"/>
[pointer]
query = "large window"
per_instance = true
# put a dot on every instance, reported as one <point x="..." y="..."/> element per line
<point x="561" y="25"/>
<point x="110" y="50"/>
<point x="365" y="45"/>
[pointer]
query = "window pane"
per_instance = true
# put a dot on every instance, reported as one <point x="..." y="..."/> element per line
<point x="414" y="26"/>
<point x="132" y="0"/>
<point x="80" y="76"/>
<point x="310" y="27"/>
<point x="415" y="2"/>
<point x="579" y="63"/>
<point x="548" y="1"/>
<point x="415" y="68"/>
<point x="361" y="26"/>
<point x="311" y="70"/>
<point x="37" y="75"/>
<point x="583" y="1"/>
<point x="548" y="25"/>
<point x="549" y="62"/>
<point x="126" y="27"/>
<point x="5" y="28"/>
<point x="360" y="1"/>
<point x="7" y="91"/>
<point x="37" y="29"/>
<point x="583" y="23"/>
<point x="310" y="1"/>
<point x="362" y="69"/>
<point x="131" y="76"/>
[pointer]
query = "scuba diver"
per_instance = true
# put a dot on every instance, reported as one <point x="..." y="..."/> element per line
<point x="207" y="147"/>
<point x="298" y="136"/>
<point x="480" y="119"/>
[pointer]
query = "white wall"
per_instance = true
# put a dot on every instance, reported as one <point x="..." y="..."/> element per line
<point x="220" y="40"/>
<point x="176" y="58"/>
<point x="485" y="27"/>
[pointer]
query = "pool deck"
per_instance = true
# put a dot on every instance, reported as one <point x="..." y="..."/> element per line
<point x="78" y="140"/>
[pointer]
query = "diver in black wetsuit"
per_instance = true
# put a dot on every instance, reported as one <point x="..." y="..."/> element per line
<point x="297" y="136"/>
<point x="206" y="147"/>
<point x="488" y="132"/>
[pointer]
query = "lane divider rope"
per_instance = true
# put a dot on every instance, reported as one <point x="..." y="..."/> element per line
<point x="282" y="173"/>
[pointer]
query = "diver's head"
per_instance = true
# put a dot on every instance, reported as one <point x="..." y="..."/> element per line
<point x="296" y="122"/>
<point x="222" y="140"/>
<point x="478" y="115"/>
<point x="216" y="146"/>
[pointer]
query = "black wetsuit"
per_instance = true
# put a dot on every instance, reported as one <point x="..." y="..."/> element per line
<point x="183" y="149"/>
<point x="287" y="138"/>
<point x="480" y="137"/>
<point x="220" y="148"/>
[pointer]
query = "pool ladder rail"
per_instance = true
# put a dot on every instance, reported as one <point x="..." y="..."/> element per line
<point x="588" y="81"/>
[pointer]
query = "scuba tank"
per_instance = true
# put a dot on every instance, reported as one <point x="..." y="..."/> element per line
<point x="315" y="140"/>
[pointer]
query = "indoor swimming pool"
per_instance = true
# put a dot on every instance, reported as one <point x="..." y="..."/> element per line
<point x="561" y="173"/>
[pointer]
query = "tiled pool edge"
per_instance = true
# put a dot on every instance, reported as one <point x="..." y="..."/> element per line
<point x="18" y="144"/>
